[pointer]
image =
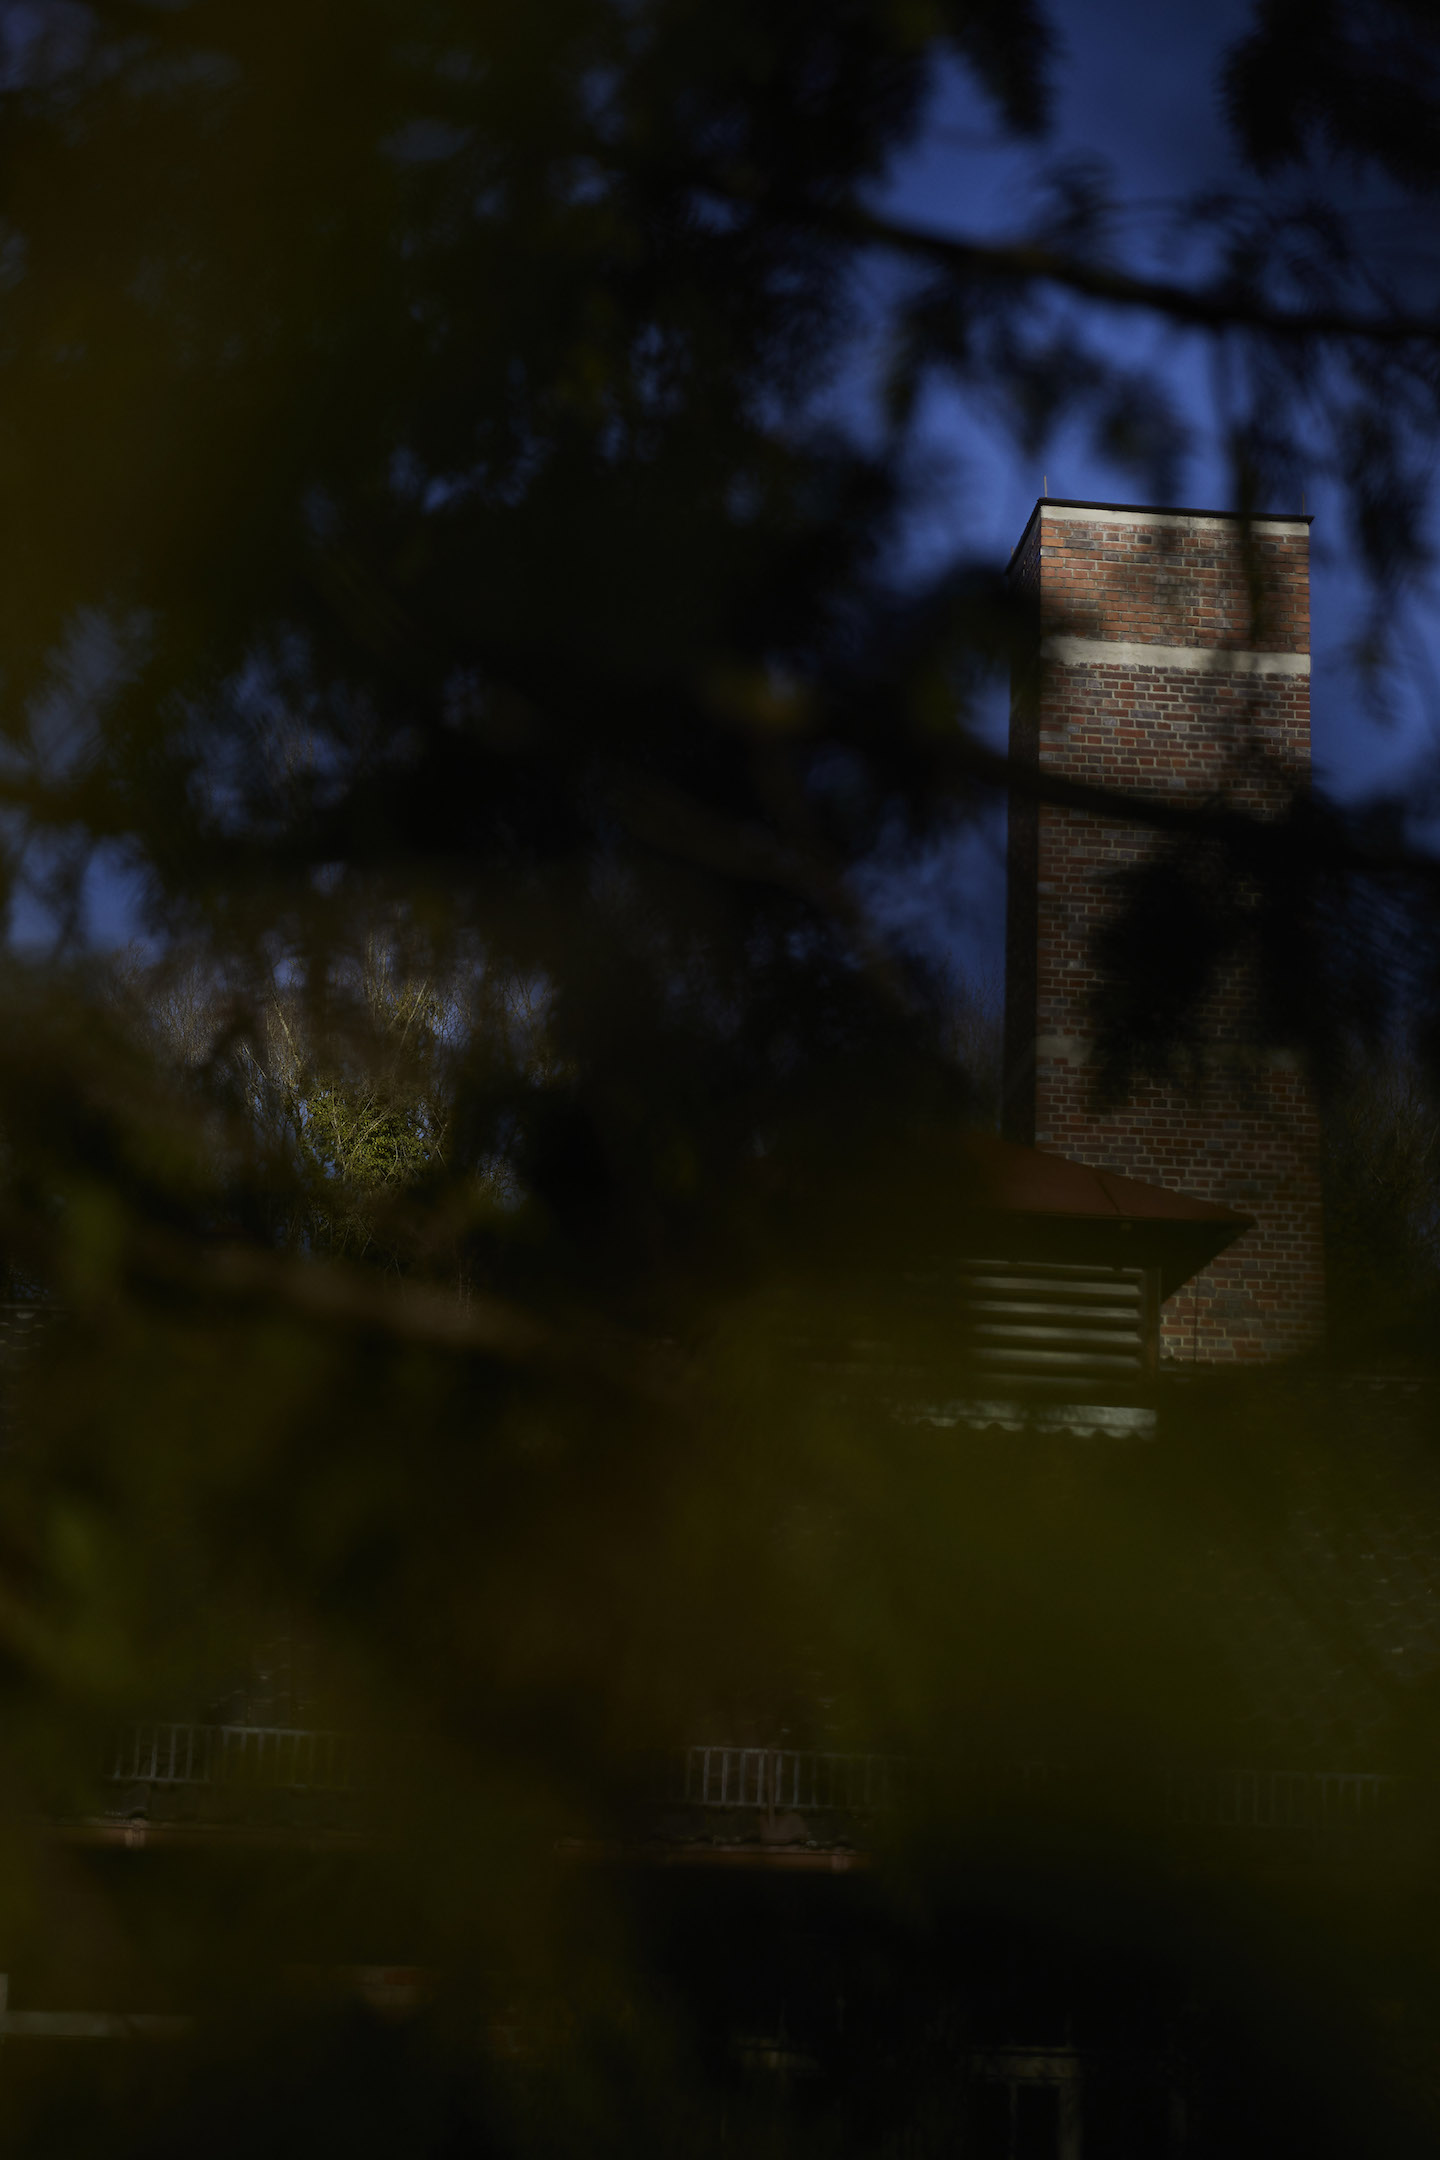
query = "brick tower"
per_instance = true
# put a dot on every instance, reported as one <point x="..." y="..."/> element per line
<point x="1172" y="658"/>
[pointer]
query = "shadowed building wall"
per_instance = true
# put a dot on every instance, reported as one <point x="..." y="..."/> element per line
<point x="1170" y="658"/>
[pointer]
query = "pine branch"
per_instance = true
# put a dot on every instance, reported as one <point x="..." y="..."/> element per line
<point x="1214" y="307"/>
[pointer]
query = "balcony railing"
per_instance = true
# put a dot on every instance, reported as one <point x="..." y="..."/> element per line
<point x="274" y="1758"/>
<point x="791" y="1779"/>
<point x="811" y="1783"/>
<point x="1277" y="1799"/>
<point x="182" y="1770"/>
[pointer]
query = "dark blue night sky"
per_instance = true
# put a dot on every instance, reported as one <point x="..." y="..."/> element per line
<point x="1136" y="90"/>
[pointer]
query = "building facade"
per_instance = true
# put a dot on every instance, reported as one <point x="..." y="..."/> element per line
<point x="1207" y="1700"/>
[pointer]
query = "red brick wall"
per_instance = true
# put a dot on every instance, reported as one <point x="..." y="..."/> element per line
<point x="1180" y="723"/>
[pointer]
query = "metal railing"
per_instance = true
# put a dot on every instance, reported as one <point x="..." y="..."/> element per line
<point x="797" y="1779"/>
<point x="806" y="1781"/>
<point x="277" y="1759"/>
<point x="272" y="1757"/>
<point x="1277" y="1799"/>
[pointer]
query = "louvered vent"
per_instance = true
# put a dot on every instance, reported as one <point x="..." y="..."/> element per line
<point x="1080" y="1329"/>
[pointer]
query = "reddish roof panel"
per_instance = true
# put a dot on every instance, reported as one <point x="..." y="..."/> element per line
<point x="1028" y="1181"/>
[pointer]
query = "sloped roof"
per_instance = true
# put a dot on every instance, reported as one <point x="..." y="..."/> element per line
<point x="1049" y="1199"/>
<point x="943" y="1189"/>
<point x="1031" y="1181"/>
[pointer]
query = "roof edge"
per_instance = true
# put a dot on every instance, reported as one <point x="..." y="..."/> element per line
<point x="1176" y="510"/>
